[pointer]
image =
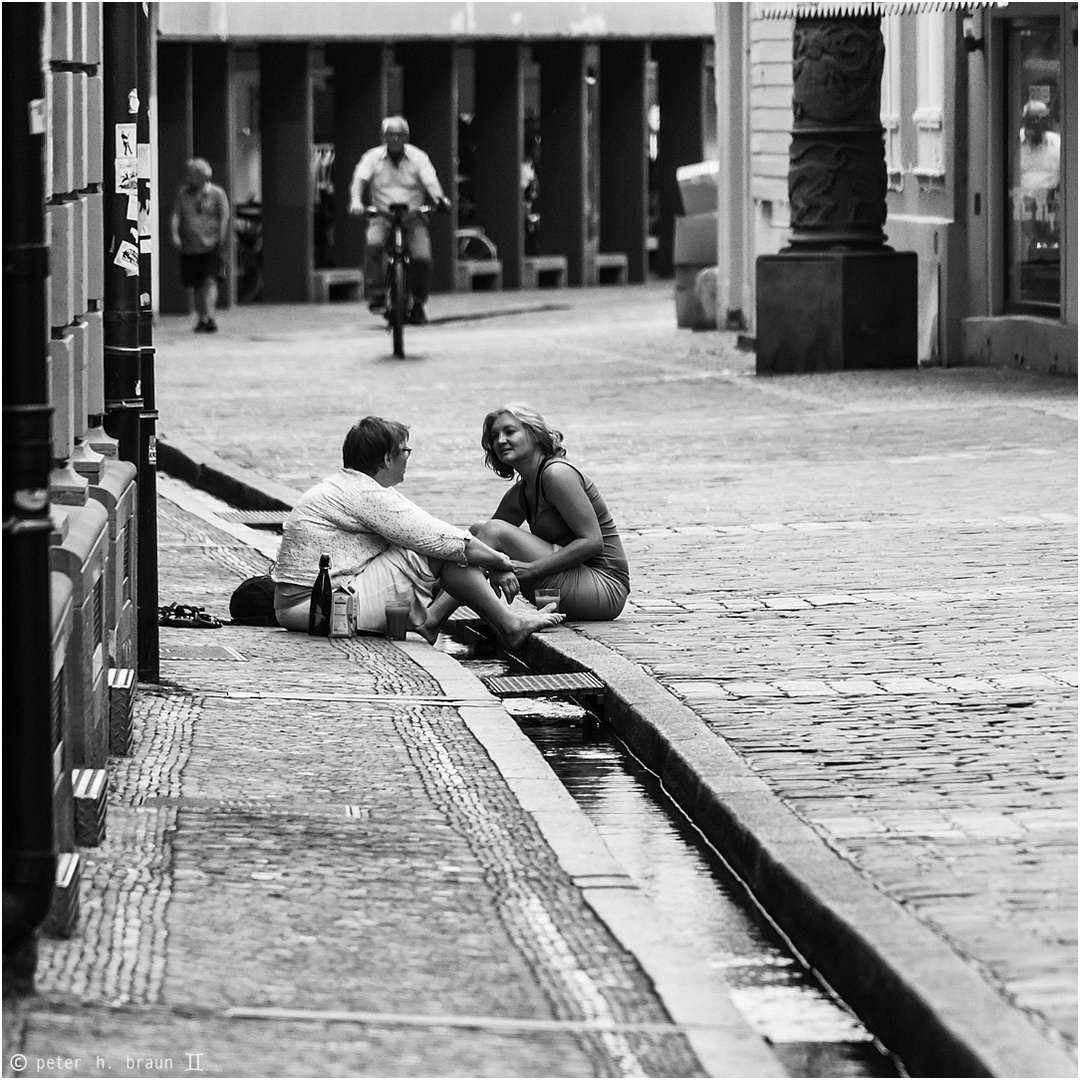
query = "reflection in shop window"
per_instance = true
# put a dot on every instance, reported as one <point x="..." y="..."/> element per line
<point x="1034" y="279"/>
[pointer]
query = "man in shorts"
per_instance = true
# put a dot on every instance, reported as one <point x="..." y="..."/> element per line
<point x="200" y="224"/>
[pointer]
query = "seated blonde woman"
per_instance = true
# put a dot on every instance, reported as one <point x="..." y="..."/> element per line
<point x="571" y="545"/>
<point x="388" y="550"/>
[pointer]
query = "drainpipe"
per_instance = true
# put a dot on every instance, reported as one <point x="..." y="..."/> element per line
<point x="149" y="660"/>
<point x="122" y="351"/>
<point x="29" y="861"/>
<point x="123" y="389"/>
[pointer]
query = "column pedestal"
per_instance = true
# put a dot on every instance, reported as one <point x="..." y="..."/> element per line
<point x="838" y="298"/>
<point x="836" y="311"/>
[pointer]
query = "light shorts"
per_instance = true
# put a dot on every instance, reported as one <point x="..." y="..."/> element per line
<point x="397" y="576"/>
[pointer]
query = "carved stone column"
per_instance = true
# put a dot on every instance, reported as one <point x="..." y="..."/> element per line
<point x="836" y="175"/>
<point x="838" y="297"/>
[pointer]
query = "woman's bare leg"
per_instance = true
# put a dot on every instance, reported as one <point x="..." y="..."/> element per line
<point x="511" y="540"/>
<point x="500" y="535"/>
<point x="513" y="626"/>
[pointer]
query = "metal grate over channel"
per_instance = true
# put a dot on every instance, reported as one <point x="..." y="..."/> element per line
<point x="564" y="682"/>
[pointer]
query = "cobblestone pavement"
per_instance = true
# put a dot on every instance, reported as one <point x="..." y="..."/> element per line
<point x="865" y="582"/>
<point x="311" y="827"/>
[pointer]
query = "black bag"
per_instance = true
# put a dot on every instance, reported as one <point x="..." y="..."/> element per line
<point x="252" y="603"/>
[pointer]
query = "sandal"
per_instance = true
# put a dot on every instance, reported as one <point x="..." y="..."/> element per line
<point x="185" y="615"/>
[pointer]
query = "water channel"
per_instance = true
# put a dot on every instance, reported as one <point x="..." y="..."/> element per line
<point x="811" y="1032"/>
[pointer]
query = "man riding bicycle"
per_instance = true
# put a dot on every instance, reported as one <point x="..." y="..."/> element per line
<point x="396" y="172"/>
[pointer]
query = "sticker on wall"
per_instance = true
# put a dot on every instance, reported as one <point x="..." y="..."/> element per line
<point x="37" y="116"/>
<point x="125" y="141"/>
<point x="132" y="207"/>
<point x="127" y="176"/>
<point x="127" y="258"/>
<point x="151" y="450"/>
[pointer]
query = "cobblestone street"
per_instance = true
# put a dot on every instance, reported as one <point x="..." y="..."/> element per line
<point x="863" y="584"/>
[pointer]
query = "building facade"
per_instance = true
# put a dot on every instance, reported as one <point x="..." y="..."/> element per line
<point x="282" y="99"/>
<point x="1021" y="265"/>
<point x="994" y="234"/>
<point x="72" y="650"/>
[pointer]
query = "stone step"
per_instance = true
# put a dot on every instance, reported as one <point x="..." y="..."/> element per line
<point x="90" y="788"/>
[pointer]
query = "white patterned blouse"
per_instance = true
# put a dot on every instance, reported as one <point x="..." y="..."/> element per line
<point x="354" y="518"/>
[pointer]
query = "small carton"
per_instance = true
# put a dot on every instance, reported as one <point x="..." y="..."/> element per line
<point x="343" y="614"/>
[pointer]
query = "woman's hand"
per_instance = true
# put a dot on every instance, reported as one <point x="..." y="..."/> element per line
<point x="505" y="583"/>
<point x="523" y="570"/>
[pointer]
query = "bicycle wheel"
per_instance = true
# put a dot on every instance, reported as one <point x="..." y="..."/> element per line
<point x="398" y="297"/>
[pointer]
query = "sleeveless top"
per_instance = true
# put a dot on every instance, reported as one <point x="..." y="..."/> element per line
<point x="546" y="522"/>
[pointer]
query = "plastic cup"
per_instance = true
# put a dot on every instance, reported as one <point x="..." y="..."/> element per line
<point x="397" y="621"/>
<point x="547" y="596"/>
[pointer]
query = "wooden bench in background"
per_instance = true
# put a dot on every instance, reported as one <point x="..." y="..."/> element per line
<point x="540" y="270"/>
<point x="611" y="268"/>
<point x="347" y="279"/>
<point x="474" y="274"/>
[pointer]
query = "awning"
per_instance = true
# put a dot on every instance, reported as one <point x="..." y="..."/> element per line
<point x="853" y="9"/>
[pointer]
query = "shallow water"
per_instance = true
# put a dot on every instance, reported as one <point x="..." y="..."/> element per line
<point x="812" y="1033"/>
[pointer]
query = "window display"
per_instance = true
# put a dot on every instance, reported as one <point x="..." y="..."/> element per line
<point x="1034" y="163"/>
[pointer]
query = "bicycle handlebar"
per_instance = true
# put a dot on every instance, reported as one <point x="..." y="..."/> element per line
<point x="412" y="211"/>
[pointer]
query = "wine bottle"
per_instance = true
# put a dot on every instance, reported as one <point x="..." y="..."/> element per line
<point x="322" y="600"/>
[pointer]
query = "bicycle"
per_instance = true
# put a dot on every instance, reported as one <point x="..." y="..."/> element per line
<point x="397" y="292"/>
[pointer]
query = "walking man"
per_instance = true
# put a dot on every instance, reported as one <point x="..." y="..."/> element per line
<point x="200" y="224"/>
<point x="396" y="172"/>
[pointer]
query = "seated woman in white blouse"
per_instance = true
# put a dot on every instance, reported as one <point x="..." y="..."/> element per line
<point x="388" y="550"/>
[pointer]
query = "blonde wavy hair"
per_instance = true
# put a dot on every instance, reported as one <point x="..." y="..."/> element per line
<point x="544" y="435"/>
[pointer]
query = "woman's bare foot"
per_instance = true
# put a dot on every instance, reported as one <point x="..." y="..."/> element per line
<point x="527" y="623"/>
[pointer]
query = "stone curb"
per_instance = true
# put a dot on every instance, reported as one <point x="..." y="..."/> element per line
<point x="240" y="487"/>
<point x="695" y="997"/>
<point x="920" y="997"/>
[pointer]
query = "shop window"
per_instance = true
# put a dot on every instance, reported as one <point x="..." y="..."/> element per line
<point x="1033" y="163"/>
